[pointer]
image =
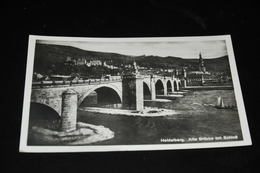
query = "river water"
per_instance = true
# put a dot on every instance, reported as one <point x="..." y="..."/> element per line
<point x="198" y="119"/>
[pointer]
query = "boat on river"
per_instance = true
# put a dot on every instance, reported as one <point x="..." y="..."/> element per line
<point x="220" y="104"/>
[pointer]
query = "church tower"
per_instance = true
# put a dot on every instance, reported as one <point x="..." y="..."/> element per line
<point x="202" y="68"/>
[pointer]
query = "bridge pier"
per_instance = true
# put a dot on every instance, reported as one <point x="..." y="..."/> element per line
<point x="69" y="111"/>
<point x="183" y="83"/>
<point x="132" y="94"/>
<point x="153" y="89"/>
<point x="165" y="87"/>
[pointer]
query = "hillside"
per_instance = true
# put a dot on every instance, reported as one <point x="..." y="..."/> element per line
<point x="60" y="53"/>
<point x="49" y="56"/>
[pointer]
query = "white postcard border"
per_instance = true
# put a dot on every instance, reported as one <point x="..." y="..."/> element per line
<point x="39" y="149"/>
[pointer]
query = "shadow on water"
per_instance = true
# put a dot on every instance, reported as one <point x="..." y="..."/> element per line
<point x="44" y="117"/>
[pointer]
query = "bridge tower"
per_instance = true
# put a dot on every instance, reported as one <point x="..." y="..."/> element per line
<point x="132" y="94"/>
<point x="69" y="111"/>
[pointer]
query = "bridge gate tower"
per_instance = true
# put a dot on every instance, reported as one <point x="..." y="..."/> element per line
<point x="132" y="94"/>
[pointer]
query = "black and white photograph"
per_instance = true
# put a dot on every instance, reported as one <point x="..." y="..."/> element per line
<point x="127" y="94"/>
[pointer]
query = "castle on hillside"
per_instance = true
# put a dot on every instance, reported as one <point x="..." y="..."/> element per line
<point x="82" y="61"/>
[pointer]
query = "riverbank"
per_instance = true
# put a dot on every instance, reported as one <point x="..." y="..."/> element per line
<point x="169" y="97"/>
<point x="147" y="112"/>
<point x="159" y="100"/>
<point x="84" y="134"/>
<point x="223" y="87"/>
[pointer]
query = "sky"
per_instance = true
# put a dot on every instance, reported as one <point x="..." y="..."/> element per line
<point x="183" y="49"/>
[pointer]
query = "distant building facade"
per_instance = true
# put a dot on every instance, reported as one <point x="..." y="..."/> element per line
<point x="69" y="61"/>
<point x="93" y="63"/>
<point x="110" y="65"/>
<point x="81" y="61"/>
<point x="201" y="67"/>
<point x="198" y="77"/>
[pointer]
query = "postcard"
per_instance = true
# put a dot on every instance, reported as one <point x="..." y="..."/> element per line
<point x="130" y="94"/>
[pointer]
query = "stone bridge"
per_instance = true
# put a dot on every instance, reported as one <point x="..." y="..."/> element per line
<point x="129" y="91"/>
<point x="50" y="92"/>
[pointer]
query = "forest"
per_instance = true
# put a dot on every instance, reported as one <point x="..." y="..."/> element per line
<point x="50" y="59"/>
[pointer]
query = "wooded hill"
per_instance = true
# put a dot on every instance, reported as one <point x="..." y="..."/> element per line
<point x="49" y="56"/>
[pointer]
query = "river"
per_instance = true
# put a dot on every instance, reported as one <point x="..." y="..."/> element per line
<point x="198" y="119"/>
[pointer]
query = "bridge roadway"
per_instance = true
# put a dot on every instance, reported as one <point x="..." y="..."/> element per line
<point x="50" y="93"/>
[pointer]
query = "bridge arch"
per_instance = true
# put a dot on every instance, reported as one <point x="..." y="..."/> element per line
<point x="100" y="88"/>
<point x="47" y="98"/>
<point x="175" y="85"/>
<point x="159" y="87"/>
<point x="169" y="86"/>
<point x="148" y="84"/>
<point x="147" y="91"/>
<point x="179" y="84"/>
<point x="44" y="116"/>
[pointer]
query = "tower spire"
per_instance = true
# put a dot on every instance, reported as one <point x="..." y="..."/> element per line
<point x="201" y="63"/>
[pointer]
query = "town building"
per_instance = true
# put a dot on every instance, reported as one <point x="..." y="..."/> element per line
<point x="201" y="76"/>
<point x="69" y="61"/>
<point x="93" y="63"/>
<point x="59" y="77"/>
<point x="109" y="65"/>
<point x="201" y="67"/>
<point x="81" y="61"/>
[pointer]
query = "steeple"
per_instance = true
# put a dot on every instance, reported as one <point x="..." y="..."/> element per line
<point x="201" y="64"/>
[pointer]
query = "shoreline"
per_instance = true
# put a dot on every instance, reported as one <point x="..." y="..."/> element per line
<point x="84" y="134"/>
<point x="147" y="112"/>
<point x="223" y="87"/>
<point x="159" y="100"/>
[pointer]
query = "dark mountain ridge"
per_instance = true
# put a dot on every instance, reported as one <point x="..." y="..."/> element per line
<point x="47" y="55"/>
<point x="60" y="53"/>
